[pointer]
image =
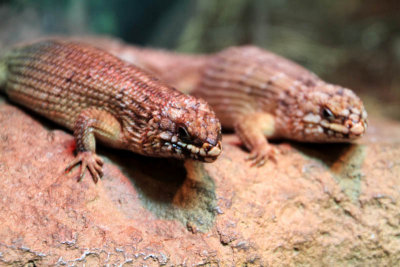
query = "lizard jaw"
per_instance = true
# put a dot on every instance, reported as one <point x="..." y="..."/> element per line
<point x="207" y="152"/>
<point x="339" y="129"/>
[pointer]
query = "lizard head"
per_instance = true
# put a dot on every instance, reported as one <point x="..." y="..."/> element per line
<point x="331" y="113"/>
<point x="189" y="129"/>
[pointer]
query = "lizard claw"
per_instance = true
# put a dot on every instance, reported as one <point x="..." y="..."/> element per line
<point x="89" y="160"/>
<point x="259" y="155"/>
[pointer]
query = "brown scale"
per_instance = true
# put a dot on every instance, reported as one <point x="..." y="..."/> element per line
<point x="261" y="95"/>
<point x="100" y="96"/>
<point x="283" y="99"/>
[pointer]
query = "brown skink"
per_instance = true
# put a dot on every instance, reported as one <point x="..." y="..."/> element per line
<point x="99" y="96"/>
<point x="261" y="95"/>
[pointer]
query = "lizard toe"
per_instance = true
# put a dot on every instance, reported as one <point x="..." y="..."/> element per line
<point x="89" y="161"/>
<point x="260" y="155"/>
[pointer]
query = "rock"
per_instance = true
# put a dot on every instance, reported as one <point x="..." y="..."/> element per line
<point x="334" y="204"/>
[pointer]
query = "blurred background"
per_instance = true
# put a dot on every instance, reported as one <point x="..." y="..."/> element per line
<point x="355" y="43"/>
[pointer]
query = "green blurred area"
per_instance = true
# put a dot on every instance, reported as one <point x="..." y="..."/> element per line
<point x="354" y="42"/>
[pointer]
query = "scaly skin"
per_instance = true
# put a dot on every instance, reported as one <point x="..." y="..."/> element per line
<point x="180" y="70"/>
<point x="260" y="94"/>
<point x="99" y="96"/>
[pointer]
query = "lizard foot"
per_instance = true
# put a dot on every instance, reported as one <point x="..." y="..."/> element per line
<point x="259" y="155"/>
<point x="89" y="160"/>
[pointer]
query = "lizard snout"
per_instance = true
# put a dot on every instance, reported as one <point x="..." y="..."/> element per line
<point x="358" y="129"/>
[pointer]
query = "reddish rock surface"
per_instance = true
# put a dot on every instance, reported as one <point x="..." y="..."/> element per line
<point x="332" y="205"/>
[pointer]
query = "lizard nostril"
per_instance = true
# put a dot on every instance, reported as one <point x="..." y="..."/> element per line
<point x="348" y="124"/>
<point x="357" y="129"/>
<point x="212" y="141"/>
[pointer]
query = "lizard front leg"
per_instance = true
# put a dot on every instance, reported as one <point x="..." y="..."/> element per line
<point x="253" y="129"/>
<point x="91" y="123"/>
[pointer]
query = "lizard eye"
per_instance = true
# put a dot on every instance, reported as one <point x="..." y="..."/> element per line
<point x="183" y="134"/>
<point x="327" y="114"/>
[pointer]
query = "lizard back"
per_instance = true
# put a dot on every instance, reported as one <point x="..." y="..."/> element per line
<point x="241" y="80"/>
<point x="59" y="79"/>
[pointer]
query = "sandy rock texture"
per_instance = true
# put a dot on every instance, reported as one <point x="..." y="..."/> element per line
<point x="319" y="205"/>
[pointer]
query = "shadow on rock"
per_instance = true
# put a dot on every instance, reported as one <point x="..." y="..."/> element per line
<point x="329" y="154"/>
<point x="344" y="162"/>
<point x="170" y="188"/>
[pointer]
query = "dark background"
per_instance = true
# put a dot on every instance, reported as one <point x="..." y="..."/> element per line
<point x="355" y="43"/>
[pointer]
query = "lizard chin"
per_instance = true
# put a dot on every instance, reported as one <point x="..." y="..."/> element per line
<point x="206" y="153"/>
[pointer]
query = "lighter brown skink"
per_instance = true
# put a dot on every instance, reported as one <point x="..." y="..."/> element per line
<point x="99" y="96"/>
<point x="260" y="95"/>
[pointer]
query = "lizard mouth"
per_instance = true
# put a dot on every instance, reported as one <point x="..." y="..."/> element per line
<point x="206" y="153"/>
<point x="340" y="129"/>
<point x="349" y="129"/>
